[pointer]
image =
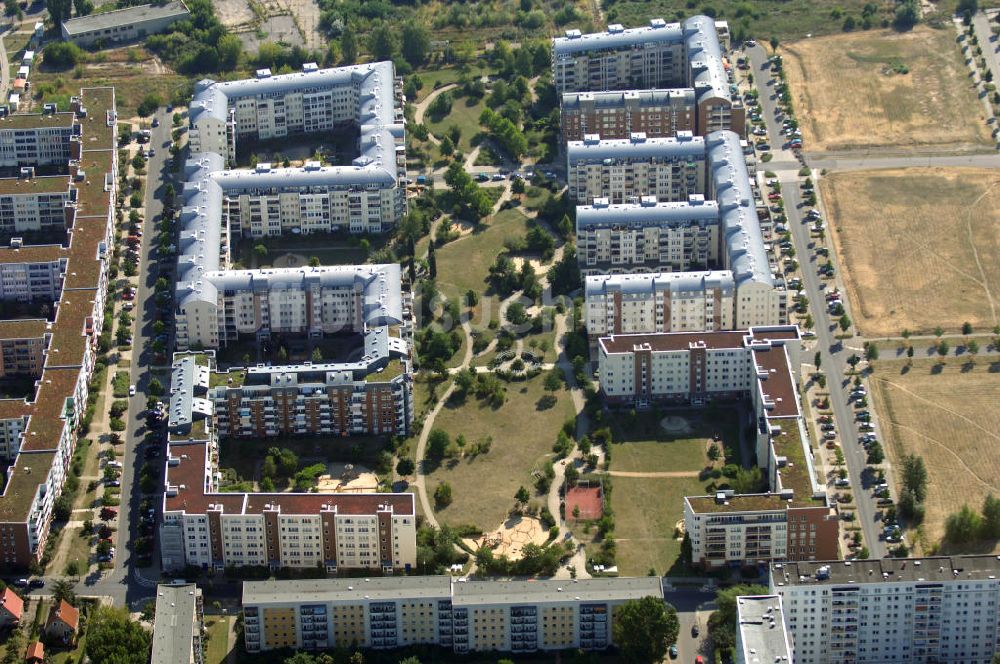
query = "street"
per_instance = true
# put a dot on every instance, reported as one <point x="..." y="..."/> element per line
<point x="833" y="352"/>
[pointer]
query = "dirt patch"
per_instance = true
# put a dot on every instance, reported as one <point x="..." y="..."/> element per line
<point x="919" y="247"/>
<point x="947" y="414"/>
<point x="287" y="21"/>
<point x="512" y="536"/>
<point x="871" y="89"/>
<point x="347" y="478"/>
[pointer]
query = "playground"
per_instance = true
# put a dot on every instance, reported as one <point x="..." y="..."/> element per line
<point x="511" y="537"/>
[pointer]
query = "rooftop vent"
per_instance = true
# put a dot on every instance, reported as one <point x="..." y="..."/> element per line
<point x="615" y="28"/>
<point x="263" y="73"/>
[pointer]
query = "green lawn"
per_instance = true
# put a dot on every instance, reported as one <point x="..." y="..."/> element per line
<point x="243" y="455"/>
<point x="641" y="444"/>
<point x="463" y="115"/>
<point x="464" y="263"/>
<point x="646" y="512"/>
<point x="217" y="633"/>
<point x="329" y="248"/>
<point x="79" y="550"/>
<point x="484" y="487"/>
<point x="435" y="79"/>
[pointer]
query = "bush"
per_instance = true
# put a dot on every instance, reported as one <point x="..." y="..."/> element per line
<point x="442" y="495"/>
<point x="62" y="55"/>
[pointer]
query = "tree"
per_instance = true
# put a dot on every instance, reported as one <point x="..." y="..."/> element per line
<point x="317" y="355"/>
<point x="817" y="360"/>
<point x="713" y="452"/>
<point x="522" y="496"/>
<point x="230" y="49"/>
<point x="973" y="347"/>
<point x="62" y="55"/>
<point x="991" y="517"/>
<point x="966" y="328"/>
<point x="15" y="647"/>
<point x="722" y="623"/>
<point x="942" y="348"/>
<point x="938" y="331"/>
<point x="112" y="636"/>
<point x="83" y="7"/>
<point x="62" y="590"/>
<point x="432" y="269"/>
<point x="149" y="104"/>
<point x="845" y="323"/>
<point x="442" y="495"/>
<point x="915" y="476"/>
<point x="644" y="629"/>
<point x="967" y="7"/>
<point x="447" y="147"/>
<point x="963" y="526"/>
<point x="875" y="454"/>
<point x="349" y="46"/>
<point x="11" y="7"/>
<point x="155" y="387"/>
<point x="260" y="250"/>
<point x="871" y="351"/>
<point x="553" y="380"/>
<point x="416" y="43"/>
<point x="907" y="15"/>
<point x="383" y="42"/>
<point x="406" y="466"/>
<point x="437" y="443"/>
<point x="59" y="10"/>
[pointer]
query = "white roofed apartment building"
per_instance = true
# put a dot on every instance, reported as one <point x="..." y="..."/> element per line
<point x="674" y="267"/>
<point x="894" y="610"/>
<point x="688" y="55"/>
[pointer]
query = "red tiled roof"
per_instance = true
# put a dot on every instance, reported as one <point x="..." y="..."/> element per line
<point x="12" y="603"/>
<point x="36" y="651"/>
<point x="65" y="613"/>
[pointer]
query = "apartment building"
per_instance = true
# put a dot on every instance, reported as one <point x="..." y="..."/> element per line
<point x="793" y="521"/>
<point x="647" y="238"/>
<point x="744" y="293"/>
<point x="505" y="616"/>
<point x="761" y="633"/>
<point x="921" y="610"/>
<point x="372" y="396"/>
<point x="29" y="273"/>
<point x="624" y="170"/>
<point x="686" y="55"/>
<point x="44" y="446"/>
<point x="22" y="346"/>
<point x="179" y="625"/>
<point x="223" y="305"/>
<point x="123" y="25"/>
<point x="620" y="113"/>
<point x="311" y="101"/>
<point x="28" y="140"/>
<point x="29" y="203"/>
<point x="210" y="529"/>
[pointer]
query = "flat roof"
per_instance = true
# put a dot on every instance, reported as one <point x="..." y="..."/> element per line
<point x="28" y="328"/>
<point x="23" y="478"/>
<point x="37" y="120"/>
<point x="795" y="475"/>
<point x="99" y="102"/>
<point x="83" y="270"/>
<point x="762" y="631"/>
<point x="671" y="341"/>
<point x="342" y="590"/>
<point x="69" y="342"/>
<point x="119" y="17"/>
<point x="778" y="382"/>
<point x="46" y="423"/>
<point x="49" y="184"/>
<point x="556" y="590"/>
<point x="932" y="569"/>
<point x="36" y="253"/>
<point x="462" y="593"/>
<point x="14" y="408"/>
<point x="175" y="623"/>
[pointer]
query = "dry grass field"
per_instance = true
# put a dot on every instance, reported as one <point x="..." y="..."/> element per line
<point x="948" y="415"/>
<point x="850" y="92"/>
<point x="918" y="247"/>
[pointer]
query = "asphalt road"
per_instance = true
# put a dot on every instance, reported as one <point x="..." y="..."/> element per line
<point x="833" y="352"/>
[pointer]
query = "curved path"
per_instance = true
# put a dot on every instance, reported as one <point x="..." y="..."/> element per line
<point x="420" y="108"/>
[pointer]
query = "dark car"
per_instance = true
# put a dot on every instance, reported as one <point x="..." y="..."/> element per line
<point x="694" y="631"/>
<point x="36" y="583"/>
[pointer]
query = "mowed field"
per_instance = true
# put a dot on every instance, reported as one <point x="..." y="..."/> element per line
<point x="849" y="91"/>
<point x="949" y="416"/>
<point x="918" y="247"/>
